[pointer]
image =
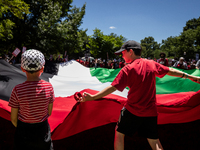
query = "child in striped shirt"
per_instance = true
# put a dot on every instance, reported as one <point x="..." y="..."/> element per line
<point x="31" y="104"/>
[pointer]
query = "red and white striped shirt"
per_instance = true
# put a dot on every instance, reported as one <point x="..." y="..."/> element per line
<point x="32" y="98"/>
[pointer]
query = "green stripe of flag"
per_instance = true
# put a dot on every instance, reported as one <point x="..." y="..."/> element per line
<point x="165" y="85"/>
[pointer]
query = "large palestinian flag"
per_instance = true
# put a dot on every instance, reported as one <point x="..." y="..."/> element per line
<point x="178" y="101"/>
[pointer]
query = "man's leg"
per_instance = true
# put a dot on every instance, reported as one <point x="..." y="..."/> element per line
<point x="119" y="141"/>
<point x="155" y="144"/>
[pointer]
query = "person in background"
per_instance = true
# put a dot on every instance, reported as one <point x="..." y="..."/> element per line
<point x="101" y="64"/>
<point x="97" y="63"/>
<point x="181" y="64"/>
<point x="198" y="64"/>
<point x="121" y="64"/>
<point x="109" y="64"/>
<point x="105" y="64"/>
<point x="114" y="64"/>
<point x="189" y="65"/>
<point x="174" y="61"/>
<point x="92" y="63"/>
<point x="89" y="62"/>
<point x="86" y="63"/>
<point x="163" y="60"/>
<point x="31" y="104"/>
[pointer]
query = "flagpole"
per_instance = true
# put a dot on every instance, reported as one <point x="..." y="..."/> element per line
<point x="11" y="58"/>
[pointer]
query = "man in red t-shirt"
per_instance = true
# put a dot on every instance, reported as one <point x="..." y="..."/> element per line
<point x="139" y="112"/>
<point x="163" y="60"/>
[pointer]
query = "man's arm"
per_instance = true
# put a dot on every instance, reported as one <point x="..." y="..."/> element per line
<point x="177" y="73"/>
<point x="104" y="92"/>
<point x="14" y="116"/>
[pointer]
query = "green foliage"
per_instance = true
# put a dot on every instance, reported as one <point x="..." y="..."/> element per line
<point x="170" y="46"/>
<point x="58" y="33"/>
<point x="73" y="35"/>
<point x="192" y="24"/>
<point x="156" y="54"/>
<point x="187" y="39"/>
<point x="16" y="7"/>
<point x="53" y="26"/>
<point x="6" y="33"/>
<point x="149" y="45"/>
<point x="187" y="42"/>
<point x="101" y="45"/>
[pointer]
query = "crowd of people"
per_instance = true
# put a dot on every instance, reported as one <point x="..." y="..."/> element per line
<point x="120" y="63"/>
<point x="99" y="63"/>
<point x="180" y="63"/>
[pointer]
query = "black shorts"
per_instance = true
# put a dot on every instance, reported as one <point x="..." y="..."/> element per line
<point x="129" y="124"/>
<point x="36" y="136"/>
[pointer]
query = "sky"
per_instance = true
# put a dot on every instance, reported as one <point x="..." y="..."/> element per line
<point x="137" y="19"/>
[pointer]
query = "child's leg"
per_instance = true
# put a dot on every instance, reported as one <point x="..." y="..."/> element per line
<point x="155" y="144"/>
<point x="119" y="141"/>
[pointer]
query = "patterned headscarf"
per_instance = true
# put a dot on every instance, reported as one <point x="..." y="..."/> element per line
<point x="32" y="60"/>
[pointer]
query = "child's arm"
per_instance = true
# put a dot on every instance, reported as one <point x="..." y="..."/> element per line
<point x="50" y="107"/>
<point x="14" y="116"/>
<point x="104" y="92"/>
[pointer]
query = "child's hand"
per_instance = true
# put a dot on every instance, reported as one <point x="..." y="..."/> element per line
<point x="83" y="98"/>
<point x="77" y="96"/>
<point x="86" y="97"/>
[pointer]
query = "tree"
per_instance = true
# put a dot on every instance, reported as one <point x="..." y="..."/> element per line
<point x="117" y="43"/>
<point x="149" y="45"/>
<point x="16" y="7"/>
<point x="52" y="27"/>
<point x="102" y="45"/>
<point x="189" y="40"/>
<point x="192" y="24"/>
<point x="187" y="45"/>
<point x="170" y="46"/>
<point x="59" y="35"/>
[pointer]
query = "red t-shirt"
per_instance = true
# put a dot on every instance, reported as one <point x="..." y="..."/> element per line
<point x="32" y="98"/>
<point x="163" y="61"/>
<point x="140" y="77"/>
<point x="101" y="65"/>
